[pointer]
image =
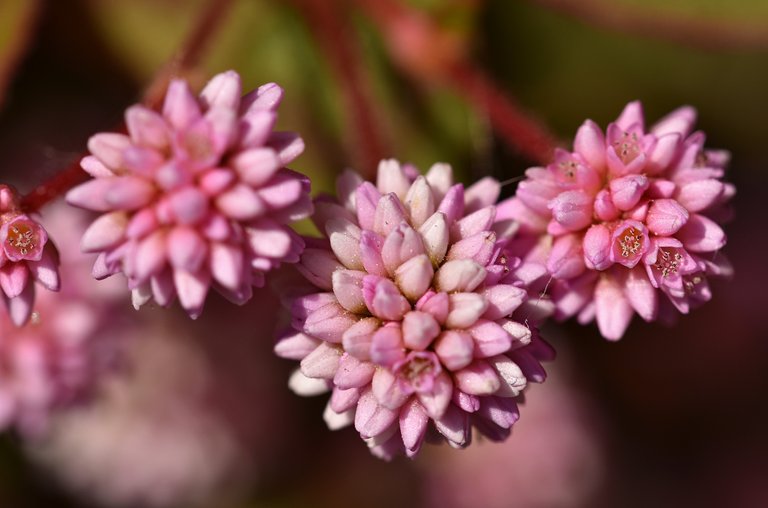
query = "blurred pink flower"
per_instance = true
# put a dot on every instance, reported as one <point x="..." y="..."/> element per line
<point x="26" y="256"/>
<point x="56" y="359"/>
<point x="557" y="459"/>
<point x="420" y="326"/>
<point x="151" y="438"/>
<point x="195" y="197"/>
<point x="628" y="214"/>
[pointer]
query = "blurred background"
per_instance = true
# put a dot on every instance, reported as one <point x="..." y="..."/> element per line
<point x="199" y="414"/>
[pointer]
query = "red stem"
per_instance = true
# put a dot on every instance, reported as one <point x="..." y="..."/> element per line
<point x="187" y="57"/>
<point x="427" y="53"/>
<point x="520" y="130"/>
<point x="697" y="32"/>
<point x="330" y="23"/>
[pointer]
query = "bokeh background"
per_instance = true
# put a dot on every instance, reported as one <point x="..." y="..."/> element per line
<point x="200" y="415"/>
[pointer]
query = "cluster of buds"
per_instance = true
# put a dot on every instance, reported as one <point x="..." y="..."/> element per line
<point x="417" y="321"/>
<point x="26" y="256"/>
<point x="420" y="305"/>
<point x="627" y="215"/>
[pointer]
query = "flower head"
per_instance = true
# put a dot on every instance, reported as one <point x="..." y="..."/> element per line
<point x="26" y="256"/>
<point x="195" y="196"/>
<point x="417" y="319"/>
<point x="59" y="355"/>
<point x="628" y="214"/>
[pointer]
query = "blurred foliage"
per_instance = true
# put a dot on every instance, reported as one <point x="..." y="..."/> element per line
<point x="16" y="19"/>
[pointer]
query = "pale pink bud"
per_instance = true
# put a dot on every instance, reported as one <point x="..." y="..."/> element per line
<point x="597" y="247"/>
<point x="665" y="217"/>
<point x="627" y="190"/>
<point x="572" y="209"/>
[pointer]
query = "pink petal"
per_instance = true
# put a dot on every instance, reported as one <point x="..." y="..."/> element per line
<point x="353" y="373"/>
<point x="700" y="194"/>
<point x="348" y="288"/>
<point x="597" y="247"/>
<point x="223" y="90"/>
<point x="440" y="179"/>
<point x="490" y="339"/>
<point x="20" y="307"/>
<point x="256" y="165"/>
<point x="454" y="426"/>
<point x="317" y="266"/>
<point x="191" y="288"/>
<point x="386" y="387"/>
<point x="436" y="401"/>
<point x="419" y="330"/>
<point x="322" y="362"/>
<point x="241" y="202"/>
<point x="389" y="214"/>
<point x="664" y="152"/>
<point x="371" y="418"/>
<point x="679" y="121"/>
<point x="371" y="246"/>
<point x="472" y="224"/>
<point x="227" y="264"/>
<point x="465" y="309"/>
<point x="390" y="178"/>
<point x="329" y="322"/>
<point x="383" y="298"/>
<point x="46" y="270"/>
<point x="484" y="192"/>
<point x="146" y="127"/>
<point x="414" y="277"/>
<point x="641" y="294"/>
<point x="105" y="232"/>
<point x="512" y="381"/>
<point x="180" y="107"/>
<point x="402" y="244"/>
<point x="480" y="248"/>
<point x="590" y="144"/>
<point x="701" y="234"/>
<point x="452" y="204"/>
<point x="387" y="346"/>
<point x="345" y="242"/>
<point x="108" y="147"/>
<point x="366" y="199"/>
<point x="436" y="304"/>
<point x="627" y="190"/>
<point x="343" y="400"/>
<point x="434" y="233"/>
<point x="455" y="349"/>
<point x="295" y="345"/>
<point x="613" y="311"/>
<point x="419" y="201"/>
<point x="631" y="114"/>
<point x="459" y="275"/>
<point x="502" y="300"/>
<point x="478" y="378"/>
<point x="150" y="255"/>
<point x="413" y="424"/>
<point x="269" y="239"/>
<point x="604" y="208"/>
<point x="14" y="278"/>
<point x="566" y="260"/>
<point x="666" y="216"/>
<point x="358" y="337"/>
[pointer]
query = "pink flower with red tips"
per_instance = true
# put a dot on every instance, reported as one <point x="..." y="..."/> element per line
<point x="628" y="214"/>
<point x="417" y="319"/>
<point x="26" y="256"/>
<point x="195" y="196"/>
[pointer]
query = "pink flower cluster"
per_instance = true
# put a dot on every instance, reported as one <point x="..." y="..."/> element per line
<point x="56" y="358"/>
<point x="627" y="215"/>
<point x="26" y="256"/>
<point x="417" y="321"/>
<point x="195" y="196"/>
